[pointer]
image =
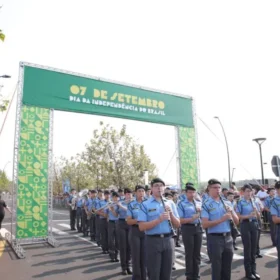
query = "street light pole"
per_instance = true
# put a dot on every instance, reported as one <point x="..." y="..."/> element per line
<point x="229" y="181"/>
<point x="232" y="174"/>
<point x="259" y="141"/>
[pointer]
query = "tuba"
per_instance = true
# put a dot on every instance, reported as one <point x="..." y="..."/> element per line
<point x="83" y="193"/>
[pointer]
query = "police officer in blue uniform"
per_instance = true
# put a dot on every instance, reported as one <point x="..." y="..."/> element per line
<point x="248" y="214"/>
<point x="189" y="212"/>
<point x="216" y="219"/>
<point x="157" y="217"/>
<point x="275" y="213"/>
<point x="123" y="231"/>
<point x="137" y="237"/>
<point x="113" y="217"/>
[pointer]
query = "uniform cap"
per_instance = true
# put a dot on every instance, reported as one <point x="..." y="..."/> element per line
<point x="138" y="187"/>
<point x="214" y="182"/>
<point x="127" y="190"/>
<point x="157" y="180"/>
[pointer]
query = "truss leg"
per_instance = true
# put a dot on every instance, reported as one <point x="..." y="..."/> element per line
<point x="52" y="241"/>
<point x="19" y="251"/>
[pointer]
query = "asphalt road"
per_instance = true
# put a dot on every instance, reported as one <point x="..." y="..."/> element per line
<point x="78" y="258"/>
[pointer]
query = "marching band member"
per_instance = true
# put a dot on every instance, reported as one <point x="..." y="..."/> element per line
<point x="248" y="213"/>
<point x="189" y="213"/>
<point x="156" y="217"/>
<point x="121" y="194"/>
<point x="79" y="214"/>
<point x="72" y="209"/>
<point x="90" y="205"/>
<point x="85" y="215"/>
<point x="136" y="237"/>
<point x="230" y="198"/>
<point x="261" y="207"/>
<point x="275" y="213"/>
<point x="113" y="239"/>
<point x="268" y="201"/>
<point x="216" y="218"/>
<point x="103" y="225"/>
<point x="148" y="192"/>
<point x="123" y="231"/>
<point x="100" y="196"/>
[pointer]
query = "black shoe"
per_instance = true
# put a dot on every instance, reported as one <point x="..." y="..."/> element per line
<point x="259" y="256"/>
<point x="257" y="276"/>
<point x="104" y="252"/>
<point x="124" y="272"/>
<point x="116" y="260"/>
<point x="235" y="248"/>
<point x="178" y="245"/>
<point x="251" y="277"/>
<point x="173" y="268"/>
<point x="129" y="272"/>
<point x="112" y="260"/>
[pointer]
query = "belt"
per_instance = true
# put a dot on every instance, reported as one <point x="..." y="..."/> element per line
<point x="248" y="221"/>
<point x="121" y="219"/>
<point x="220" y="234"/>
<point x="191" y="225"/>
<point x="136" y="225"/>
<point x="113" y="221"/>
<point x="160" y="235"/>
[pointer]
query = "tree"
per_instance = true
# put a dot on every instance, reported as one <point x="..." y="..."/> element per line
<point x="74" y="170"/>
<point x="3" y="104"/>
<point x="2" y="35"/>
<point x="5" y="183"/>
<point x="114" y="158"/>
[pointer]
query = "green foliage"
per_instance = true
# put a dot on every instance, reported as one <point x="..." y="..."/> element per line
<point x="3" y="104"/>
<point x="5" y="184"/>
<point x="111" y="158"/>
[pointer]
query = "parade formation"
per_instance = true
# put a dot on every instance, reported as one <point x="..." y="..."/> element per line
<point x="140" y="228"/>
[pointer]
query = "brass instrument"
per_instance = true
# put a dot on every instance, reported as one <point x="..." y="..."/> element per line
<point x="232" y="223"/>
<point x="74" y="202"/>
<point x="111" y="204"/>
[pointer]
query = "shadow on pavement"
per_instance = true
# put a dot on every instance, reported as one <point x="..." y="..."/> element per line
<point x="70" y="269"/>
<point x="272" y="264"/>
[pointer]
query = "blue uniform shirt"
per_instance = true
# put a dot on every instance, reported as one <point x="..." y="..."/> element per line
<point x="186" y="209"/>
<point x="80" y="202"/>
<point x="245" y="207"/>
<point x="275" y="207"/>
<point x="121" y="211"/>
<point x="205" y="196"/>
<point x="112" y="217"/>
<point x="151" y="209"/>
<point x="133" y="209"/>
<point x="99" y="204"/>
<point x="214" y="210"/>
<point x="268" y="201"/>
